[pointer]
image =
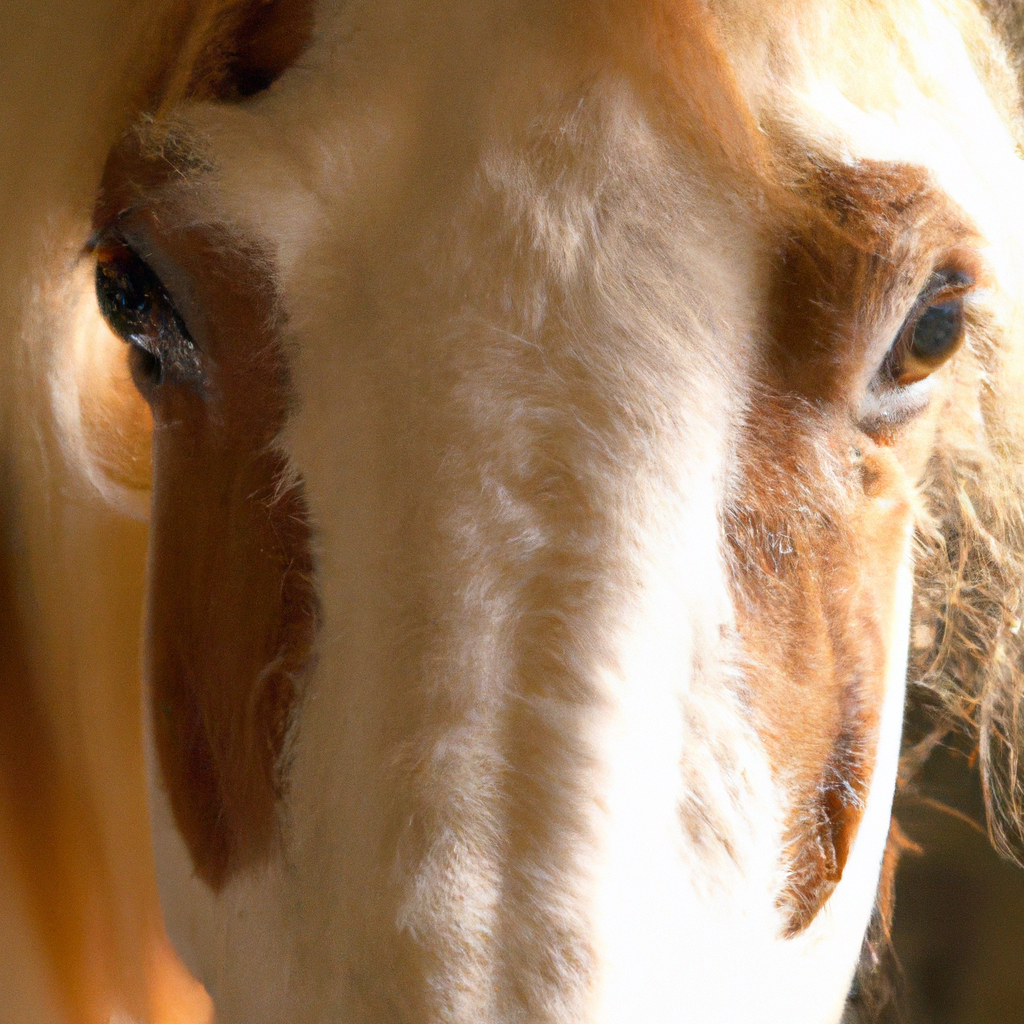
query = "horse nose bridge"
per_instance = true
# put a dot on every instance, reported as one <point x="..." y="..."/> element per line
<point x="513" y="595"/>
<point x="550" y="752"/>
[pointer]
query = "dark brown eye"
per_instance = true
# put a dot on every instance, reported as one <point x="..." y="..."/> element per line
<point x="136" y="306"/>
<point x="932" y="339"/>
<point x="938" y="331"/>
<point x="933" y="332"/>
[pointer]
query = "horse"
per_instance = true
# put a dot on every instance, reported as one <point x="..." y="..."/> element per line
<point x="555" y="434"/>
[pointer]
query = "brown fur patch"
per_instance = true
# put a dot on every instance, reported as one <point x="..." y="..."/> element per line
<point x="818" y="520"/>
<point x="815" y="563"/>
<point x="231" y="612"/>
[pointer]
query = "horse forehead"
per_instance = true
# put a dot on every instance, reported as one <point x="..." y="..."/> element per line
<point x="337" y="166"/>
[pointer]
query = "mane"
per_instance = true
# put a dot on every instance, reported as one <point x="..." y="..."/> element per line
<point x="1007" y="18"/>
<point x="967" y="653"/>
<point x="966" y="661"/>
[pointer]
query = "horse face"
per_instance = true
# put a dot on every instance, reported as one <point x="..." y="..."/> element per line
<point x="540" y="406"/>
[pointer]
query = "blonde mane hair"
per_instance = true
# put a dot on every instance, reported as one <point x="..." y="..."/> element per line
<point x="967" y="650"/>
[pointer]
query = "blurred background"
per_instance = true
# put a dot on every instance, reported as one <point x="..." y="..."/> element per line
<point x="958" y="933"/>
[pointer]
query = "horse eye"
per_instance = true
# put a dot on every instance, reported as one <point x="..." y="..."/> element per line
<point x="135" y="305"/>
<point x="928" y="341"/>
<point x="938" y="332"/>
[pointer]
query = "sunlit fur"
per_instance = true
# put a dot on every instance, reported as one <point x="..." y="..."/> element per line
<point x="523" y="255"/>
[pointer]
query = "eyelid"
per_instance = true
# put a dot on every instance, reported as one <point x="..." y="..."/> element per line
<point x="111" y="230"/>
<point x="892" y="406"/>
<point x="140" y="230"/>
<point x="944" y="286"/>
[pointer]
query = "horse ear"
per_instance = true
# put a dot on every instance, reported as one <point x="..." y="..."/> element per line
<point x="236" y="48"/>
